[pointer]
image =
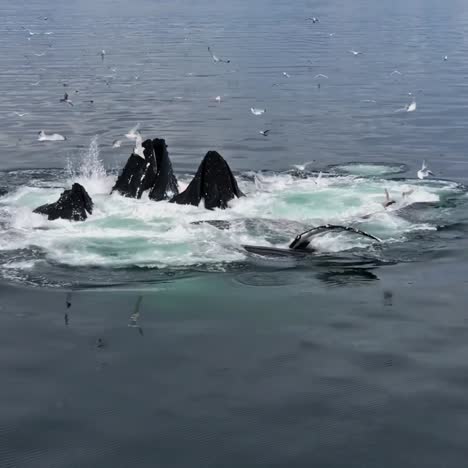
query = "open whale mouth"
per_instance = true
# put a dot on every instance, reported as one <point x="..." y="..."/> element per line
<point x="161" y="240"/>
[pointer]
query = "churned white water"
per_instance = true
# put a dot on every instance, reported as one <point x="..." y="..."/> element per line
<point x="125" y="232"/>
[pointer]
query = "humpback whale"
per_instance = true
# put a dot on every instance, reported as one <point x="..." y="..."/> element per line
<point x="213" y="182"/>
<point x="74" y="204"/>
<point x="300" y="246"/>
<point x="165" y="182"/>
<point x="151" y="172"/>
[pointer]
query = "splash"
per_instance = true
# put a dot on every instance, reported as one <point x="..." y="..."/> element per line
<point x="140" y="234"/>
<point x="90" y="171"/>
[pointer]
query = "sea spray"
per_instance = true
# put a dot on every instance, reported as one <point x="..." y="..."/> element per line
<point x="90" y="171"/>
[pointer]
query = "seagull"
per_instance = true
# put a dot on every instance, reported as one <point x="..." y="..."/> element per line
<point x="264" y="132"/>
<point x="48" y="33"/>
<point x="40" y="55"/>
<point x="388" y="201"/>
<point x="65" y="99"/>
<point x="218" y="98"/>
<point x="355" y="52"/>
<point x="52" y="137"/>
<point x="395" y="72"/>
<point x="30" y="32"/>
<point x="138" y="149"/>
<point x="116" y="143"/>
<point x="21" y="114"/>
<point x="35" y="84"/>
<point x="320" y="76"/>
<point x="424" y="171"/>
<point x="257" y="111"/>
<point x="103" y="54"/>
<point x="313" y="19"/>
<point x="318" y="179"/>
<point x="68" y="300"/>
<point x="133" y="321"/>
<point x="216" y="59"/>
<point x="287" y="75"/>
<point x="411" y="107"/>
<point x="369" y="100"/>
<point x="133" y="133"/>
<point x="301" y="167"/>
<point x="446" y="58"/>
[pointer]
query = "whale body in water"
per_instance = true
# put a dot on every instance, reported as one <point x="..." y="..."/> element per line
<point x="74" y="204"/>
<point x="214" y="183"/>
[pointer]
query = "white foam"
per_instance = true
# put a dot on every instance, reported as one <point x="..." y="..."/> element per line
<point x="126" y="232"/>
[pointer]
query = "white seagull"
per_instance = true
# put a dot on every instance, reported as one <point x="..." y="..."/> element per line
<point x="116" y="143"/>
<point x="215" y="58"/>
<point x="411" y="107"/>
<point x="264" y="132"/>
<point x="52" y="137"/>
<point x="257" y="111"/>
<point x="355" y="52"/>
<point x="21" y="114"/>
<point x="321" y="76"/>
<point x="138" y="150"/>
<point x="301" y="167"/>
<point x="133" y="133"/>
<point x="287" y="75"/>
<point x="424" y="171"/>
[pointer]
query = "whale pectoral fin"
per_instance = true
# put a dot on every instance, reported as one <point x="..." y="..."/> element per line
<point x="302" y="241"/>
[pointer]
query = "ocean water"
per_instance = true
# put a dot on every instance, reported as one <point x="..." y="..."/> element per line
<point x="147" y="335"/>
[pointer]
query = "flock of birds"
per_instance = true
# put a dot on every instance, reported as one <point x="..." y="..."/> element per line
<point x="135" y="136"/>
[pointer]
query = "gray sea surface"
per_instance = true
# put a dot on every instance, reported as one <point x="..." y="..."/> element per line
<point x="140" y="339"/>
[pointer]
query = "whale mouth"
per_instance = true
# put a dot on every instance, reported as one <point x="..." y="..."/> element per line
<point x="150" y="242"/>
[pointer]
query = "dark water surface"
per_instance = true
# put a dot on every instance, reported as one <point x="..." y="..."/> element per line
<point x="357" y="357"/>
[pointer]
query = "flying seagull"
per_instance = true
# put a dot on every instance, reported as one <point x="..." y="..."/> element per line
<point x="301" y="167"/>
<point x="313" y="19"/>
<point x="287" y="75"/>
<point x="116" y="143"/>
<point x="133" y="133"/>
<point x="21" y="114"/>
<point x="217" y="59"/>
<point x="355" y="52"/>
<point x="395" y="72"/>
<point x="320" y="76"/>
<point x="66" y="99"/>
<point x="388" y="201"/>
<point x="103" y="54"/>
<point x="424" y="171"/>
<point x="257" y="111"/>
<point x="411" y="107"/>
<point x="264" y="132"/>
<point x="52" y="137"/>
